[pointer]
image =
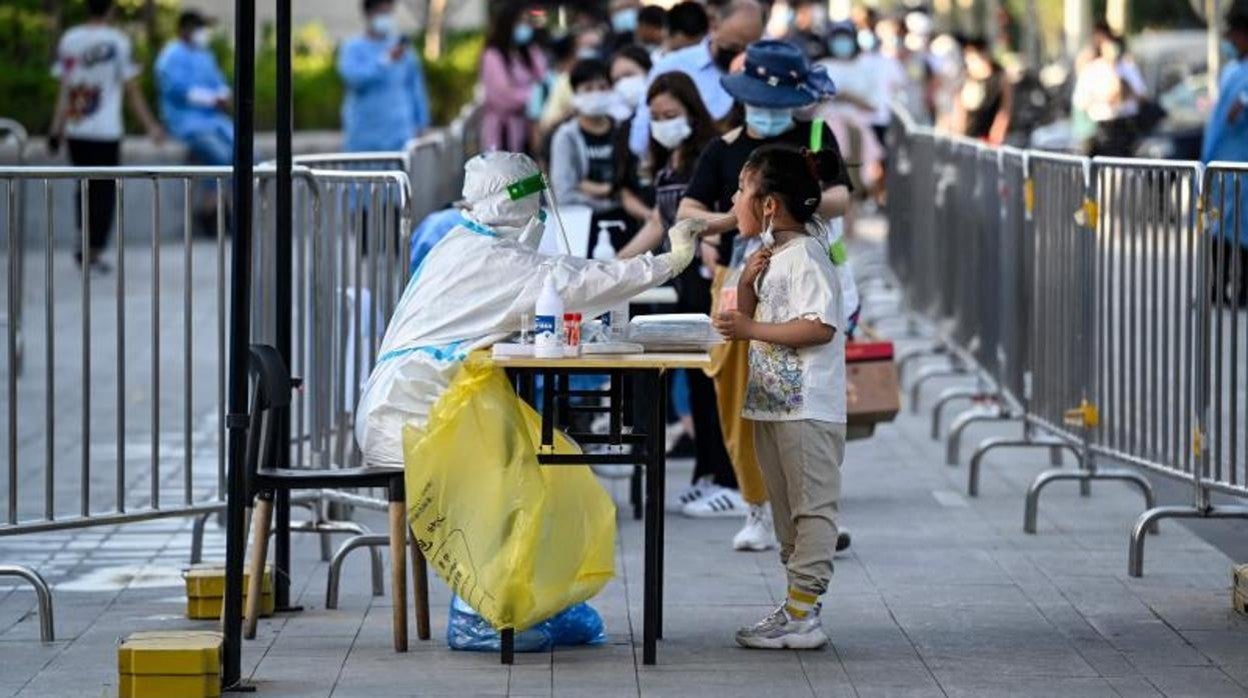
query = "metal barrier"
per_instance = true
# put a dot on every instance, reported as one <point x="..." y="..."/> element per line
<point x="129" y="324"/>
<point x="1092" y="296"/>
<point x="1197" y="407"/>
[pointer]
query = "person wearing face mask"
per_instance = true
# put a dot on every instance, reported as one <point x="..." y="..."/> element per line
<point x="474" y="287"/>
<point x="629" y="67"/>
<point x="985" y="101"/>
<point x="775" y="83"/>
<point x="512" y="67"/>
<point x="385" y="103"/>
<point x="680" y="128"/>
<point x="194" y="96"/>
<point x="1226" y="139"/>
<point x="851" y="113"/>
<point x="582" y="152"/>
<point x="624" y="15"/>
<point x="706" y="62"/>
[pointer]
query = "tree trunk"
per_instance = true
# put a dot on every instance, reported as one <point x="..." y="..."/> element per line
<point x="149" y="25"/>
<point x="434" y="29"/>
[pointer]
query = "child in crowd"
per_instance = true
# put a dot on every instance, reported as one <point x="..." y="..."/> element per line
<point x="789" y="307"/>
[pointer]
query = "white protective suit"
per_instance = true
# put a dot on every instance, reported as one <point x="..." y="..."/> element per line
<point x="471" y="290"/>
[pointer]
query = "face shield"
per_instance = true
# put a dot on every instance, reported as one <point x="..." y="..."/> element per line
<point x="506" y="192"/>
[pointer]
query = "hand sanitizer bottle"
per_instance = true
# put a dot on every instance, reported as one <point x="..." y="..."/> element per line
<point x="547" y="318"/>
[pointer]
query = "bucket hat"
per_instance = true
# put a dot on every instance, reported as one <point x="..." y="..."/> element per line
<point x="778" y="76"/>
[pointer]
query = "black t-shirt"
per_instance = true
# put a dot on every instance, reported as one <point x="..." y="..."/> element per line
<point x="715" y="178"/>
<point x="601" y="152"/>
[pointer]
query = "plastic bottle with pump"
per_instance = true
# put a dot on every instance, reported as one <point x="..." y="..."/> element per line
<point x="616" y="318"/>
<point x="548" y="316"/>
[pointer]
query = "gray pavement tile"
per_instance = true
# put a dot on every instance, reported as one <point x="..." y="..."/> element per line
<point x="421" y="680"/>
<point x="1133" y="686"/>
<point x="1193" y="682"/>
<point x="890" y="676"/>
<point x="530" y="681"/>
<point x="962" y="684"/>
<point x="699" y="684"/>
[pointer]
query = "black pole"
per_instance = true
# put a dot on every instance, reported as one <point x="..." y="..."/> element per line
<point x="282" y="278"/>
<point x="240" y="329"/>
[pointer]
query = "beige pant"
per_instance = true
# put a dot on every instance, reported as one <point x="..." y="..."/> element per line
<point x="801" y="465"/>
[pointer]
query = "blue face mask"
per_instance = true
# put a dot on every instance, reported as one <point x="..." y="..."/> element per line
<point x="624" y="20"/>
<point x="768" y="123"/>
<point x="522" y="34"/>
<point x="843" y="46"/>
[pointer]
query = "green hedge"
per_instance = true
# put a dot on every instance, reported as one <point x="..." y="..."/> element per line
<point x="28" y="38"/>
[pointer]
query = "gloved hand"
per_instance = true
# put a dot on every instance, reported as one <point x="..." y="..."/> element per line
<point x="682" y="237"/>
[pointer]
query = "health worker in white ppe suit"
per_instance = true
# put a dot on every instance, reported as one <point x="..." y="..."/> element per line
<point x="473" y="288"/>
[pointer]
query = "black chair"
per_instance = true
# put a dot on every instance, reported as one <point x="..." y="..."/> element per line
<point x="272" y="395"/>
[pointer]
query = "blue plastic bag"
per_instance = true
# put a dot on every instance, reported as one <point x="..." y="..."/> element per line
<point x="578" y="624"/>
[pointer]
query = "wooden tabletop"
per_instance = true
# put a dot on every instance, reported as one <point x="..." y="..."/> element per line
<point x="609" y="361"/>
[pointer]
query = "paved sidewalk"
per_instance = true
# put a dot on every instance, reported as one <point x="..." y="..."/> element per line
<point x="940" y="595"/>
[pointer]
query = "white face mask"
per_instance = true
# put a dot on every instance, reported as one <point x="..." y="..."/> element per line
<point x="630" y="89"/>
<point x="201" y="37"/>
<point x="382" y="23"/>
<point x="671" y="132"/>
<point x="597" y="103"/>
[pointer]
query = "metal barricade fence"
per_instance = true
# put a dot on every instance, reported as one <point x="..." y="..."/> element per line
<point x="104" y="362"/>
<point x="1208" y="424"/>
<point x="1061" y="322"/>
<point x="1104" y="307"/>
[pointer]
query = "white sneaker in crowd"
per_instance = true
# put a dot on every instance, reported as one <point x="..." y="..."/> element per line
<point x="758" y="533"/>
<point x="720" y="502"/>
<point x="699" y="489"/>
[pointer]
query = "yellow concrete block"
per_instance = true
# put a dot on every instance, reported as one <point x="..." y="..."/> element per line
<point x="209" y="607"/>
<point x="206" y="686"/>
<point x="1240" y="601"/>
<point x="170" y="653"/>
<point x="208" y="580"/>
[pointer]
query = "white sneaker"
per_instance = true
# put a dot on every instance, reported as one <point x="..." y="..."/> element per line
<point x="720" y="503"/>
<point x="699" y="489"/>
<point x="781" y="631"/>
<point x="758" y="533"/>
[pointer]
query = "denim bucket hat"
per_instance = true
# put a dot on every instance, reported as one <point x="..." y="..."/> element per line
<point x="778" y="76"/>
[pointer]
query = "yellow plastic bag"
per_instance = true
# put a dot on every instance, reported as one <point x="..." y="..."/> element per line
<point x="518" y="541"/>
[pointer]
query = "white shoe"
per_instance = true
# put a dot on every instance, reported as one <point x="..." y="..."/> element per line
<point x="720" y="503"/>
<point x="758" y="533"/>
<point x="699" y="489"/>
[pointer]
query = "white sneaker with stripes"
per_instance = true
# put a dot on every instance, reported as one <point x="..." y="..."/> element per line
<point x="720" y="502"/>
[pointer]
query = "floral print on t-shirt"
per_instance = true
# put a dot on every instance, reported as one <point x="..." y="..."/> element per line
<point x="775" y="385"/>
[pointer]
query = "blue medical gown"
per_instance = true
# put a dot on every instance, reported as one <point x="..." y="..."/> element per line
<point x="1229" y="142"/>
<point x="180" y="68"/>
<point x="386" y="101"/>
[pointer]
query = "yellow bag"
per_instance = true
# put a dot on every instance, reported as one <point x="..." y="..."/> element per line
<point x="518" y="541"/>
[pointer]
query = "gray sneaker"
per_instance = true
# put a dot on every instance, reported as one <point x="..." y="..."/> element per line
<point x="779" y="631"/>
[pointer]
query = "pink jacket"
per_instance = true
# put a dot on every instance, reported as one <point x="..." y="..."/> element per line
<point x="507" y="90"/>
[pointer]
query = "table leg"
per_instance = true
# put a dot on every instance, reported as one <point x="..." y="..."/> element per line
<point x="653" y="533"/>
<point x="660" y="451"/>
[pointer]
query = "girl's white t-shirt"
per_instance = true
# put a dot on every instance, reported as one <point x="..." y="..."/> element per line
<point x="788" y="384"/>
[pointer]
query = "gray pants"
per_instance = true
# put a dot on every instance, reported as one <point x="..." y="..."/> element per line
<point x="801" y="464"/>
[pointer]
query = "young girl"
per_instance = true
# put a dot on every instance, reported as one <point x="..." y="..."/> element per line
<point x="790" y="308"/>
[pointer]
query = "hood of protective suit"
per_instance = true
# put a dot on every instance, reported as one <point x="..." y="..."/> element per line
<point x="489" y="194"/>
